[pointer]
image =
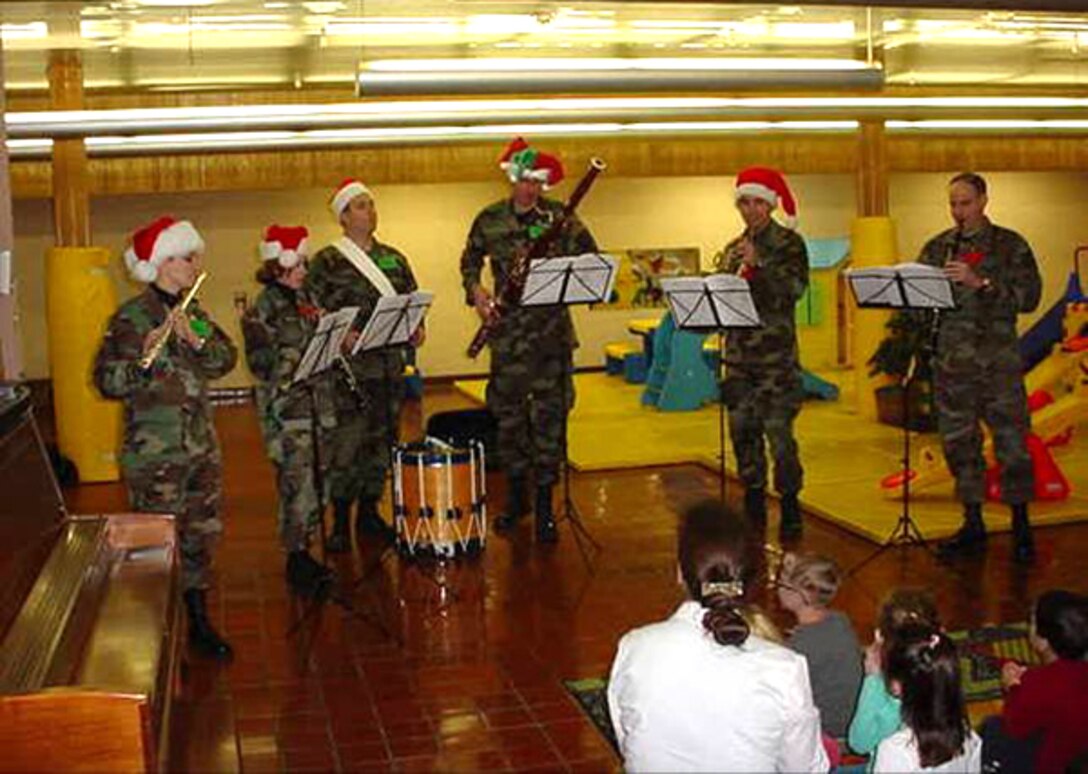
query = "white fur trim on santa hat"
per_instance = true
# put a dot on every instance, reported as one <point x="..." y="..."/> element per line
<point x="273" y="251"/>
<point x="343" y="197"/>
<point x="176" y="241"/>
<point x="757" y="191"/>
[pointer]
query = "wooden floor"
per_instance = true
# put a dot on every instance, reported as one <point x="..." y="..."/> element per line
<point x="408" y="671"/>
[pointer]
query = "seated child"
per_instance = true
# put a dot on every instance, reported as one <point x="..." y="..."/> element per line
<point x="922" y="668"/>
<point x="806" y="586"/>
<point x="878" y="714"/>
<point x="1042" y="726"/>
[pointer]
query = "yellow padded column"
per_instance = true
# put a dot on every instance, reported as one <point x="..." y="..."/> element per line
<point x="80" y="298"/>
<point x="872" y="243"/>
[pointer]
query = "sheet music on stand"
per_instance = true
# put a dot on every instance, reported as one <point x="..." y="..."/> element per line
<point x="902" y="286"/>
<point x="711" y="303"/>
<point x="569" y="280"/>
<point x="394" y="321"/>
<point x="324" y="346"/>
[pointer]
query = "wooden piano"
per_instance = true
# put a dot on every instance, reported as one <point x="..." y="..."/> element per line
<point x="88" y="620"/>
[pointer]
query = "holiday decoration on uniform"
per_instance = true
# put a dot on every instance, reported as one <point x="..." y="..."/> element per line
<point x="521" y="162"/>
<point x="287" y="245"/>
<point x="770" y="186"/>
<point x="153" y="244"/>
<point x="345" y="192"/>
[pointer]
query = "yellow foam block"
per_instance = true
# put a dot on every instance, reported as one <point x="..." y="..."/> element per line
<point x="620" y="349"/>
<point x="80" y="299"/>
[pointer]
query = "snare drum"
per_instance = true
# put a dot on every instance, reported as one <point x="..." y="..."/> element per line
<point x="440" y="493"/>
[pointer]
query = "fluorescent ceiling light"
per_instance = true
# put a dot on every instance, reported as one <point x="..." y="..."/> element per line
<point x="176" y="3"/>
<point x="607" y="76"/>
<point x="843" y="30"/>
<point x="503" y="24"/>
<point x="989" y="125"/>
<point x="415" y="135"/>
<point x="391" y="26"/>
<point x="611" y="64"/>
<point x="299" y="117"/>
<point x="29" y="31"/>
<point x="275" y="140"/>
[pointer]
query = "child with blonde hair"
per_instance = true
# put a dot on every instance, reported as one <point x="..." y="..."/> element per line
<point x="806" y="586"/>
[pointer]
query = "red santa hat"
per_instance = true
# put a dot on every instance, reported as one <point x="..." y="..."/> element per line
<point x="521" y="162"/>
<point x="162" y="239"/>
<point x="770" y="186"/>
<point x="344" y="193"/>
<point x="287" y="245"/>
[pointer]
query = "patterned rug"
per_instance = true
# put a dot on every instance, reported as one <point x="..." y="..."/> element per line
<point x="982" y="651"/>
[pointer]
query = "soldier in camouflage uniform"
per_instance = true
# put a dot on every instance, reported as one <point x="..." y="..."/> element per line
<point x="170" y="458"/>
<point x="531" y="348"/>
<point x="979" y="374"/>
<point x="294" y="416"/>
<point x="762" y="387"/>
<point x="356" y="270"/>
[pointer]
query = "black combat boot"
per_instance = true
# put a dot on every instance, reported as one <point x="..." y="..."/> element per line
<point x="755" y="506"/>
<point x="202" y="636"/>
<point x="340" y="539"/>
<point x="369" y="522"/>
<point x="971" y="537"/>
<point x="790" y="526"/>
<point x="306" y="575"/>
<point x="1023" y="545"/>
<point x="515" y="504"/>
<point x="546" y="531"/>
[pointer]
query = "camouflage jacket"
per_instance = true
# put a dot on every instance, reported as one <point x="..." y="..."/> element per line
<point x="333" y="282"/>
<point x="777" y="284"/>
<point x="167" y="410"/>
<point x="500" y="233"/>
<point x="980" y="333"/>
<point x="277" y="329"/>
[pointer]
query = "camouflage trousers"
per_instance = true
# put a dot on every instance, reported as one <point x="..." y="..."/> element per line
<point x="291" y="449"/>
<point x="359" y="446"/>
<point x="999" y="399"/>
<point x="762" y="406"/>
<point x="191" y="489"/>
<point x="527" y="399"/>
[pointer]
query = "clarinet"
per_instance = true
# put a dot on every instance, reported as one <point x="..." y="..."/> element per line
<point x="508" y="297"/>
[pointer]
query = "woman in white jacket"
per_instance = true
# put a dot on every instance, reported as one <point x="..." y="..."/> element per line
<point x="703" y="690"/>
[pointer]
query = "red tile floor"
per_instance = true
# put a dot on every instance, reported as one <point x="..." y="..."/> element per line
<point x="411" y="670"/>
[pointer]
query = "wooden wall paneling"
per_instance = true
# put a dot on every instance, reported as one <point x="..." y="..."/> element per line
<point x="988" y="152"/>
<point x="627" y="157"/>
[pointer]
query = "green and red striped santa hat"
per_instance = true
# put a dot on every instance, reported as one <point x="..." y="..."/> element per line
<point x="520" y="161"/>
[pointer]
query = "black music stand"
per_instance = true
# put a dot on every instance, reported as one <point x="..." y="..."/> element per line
<point x="570" y="281"/>
<point x="322" y="352"/>
<point x="910" y="286"/>
<point x="393" y="323"/>
<point x="715" y="304"/>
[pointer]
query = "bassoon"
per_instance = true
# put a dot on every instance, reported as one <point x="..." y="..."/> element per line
<point x="510" y="294"/>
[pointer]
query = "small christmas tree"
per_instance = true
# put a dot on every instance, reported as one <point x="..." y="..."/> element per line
<point x="909" y="339"/>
